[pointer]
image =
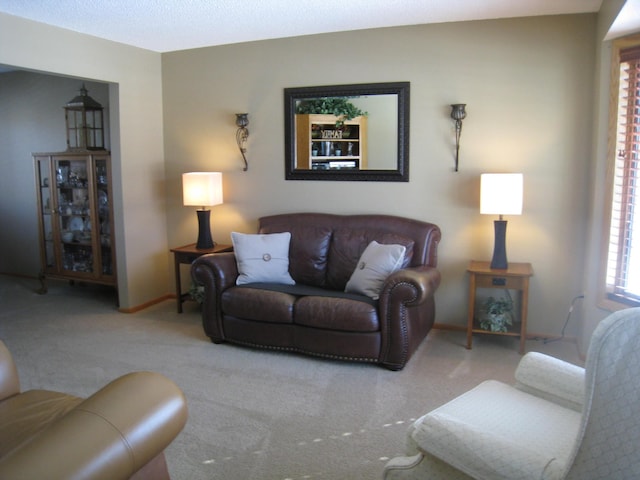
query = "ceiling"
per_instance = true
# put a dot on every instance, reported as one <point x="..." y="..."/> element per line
<point x="169" y="25"/>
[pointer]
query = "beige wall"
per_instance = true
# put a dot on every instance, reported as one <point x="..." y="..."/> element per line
<point x="528" y="84"/>
<point x="135" y="93"/>
<point x="32" y="121"/>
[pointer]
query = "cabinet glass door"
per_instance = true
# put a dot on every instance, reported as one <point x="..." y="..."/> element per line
<point x="74" y="214"/>
<point x="103" y="201"/>
<point x="47" y="206"/>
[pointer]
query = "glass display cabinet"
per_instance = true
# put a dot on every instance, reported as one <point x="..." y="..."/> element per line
<point x="75" y="217"/>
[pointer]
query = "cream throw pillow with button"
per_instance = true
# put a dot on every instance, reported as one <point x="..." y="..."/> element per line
<point x="262" y="258"/>
<point x="376" y="263"/>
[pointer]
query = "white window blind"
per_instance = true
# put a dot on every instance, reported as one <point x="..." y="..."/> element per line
<point x="623" y="264"/>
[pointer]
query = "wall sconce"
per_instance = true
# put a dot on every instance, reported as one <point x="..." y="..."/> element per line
<point x="202" y="189"/>
<point x="242" y="135"/>
<point x="500" y="194"/>
<point x="458" y="114"/>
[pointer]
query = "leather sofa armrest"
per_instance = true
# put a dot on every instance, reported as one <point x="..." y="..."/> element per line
<point x="407" y="312"/>
<point x="110" y="435"/>
<point x="423" y="282"/>
<point x="217" y="272"/>
<point x="9" y="380"/>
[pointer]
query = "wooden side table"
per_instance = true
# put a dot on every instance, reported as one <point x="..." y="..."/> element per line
<point x="515" y="277"/>
<point x="186" y="255"/>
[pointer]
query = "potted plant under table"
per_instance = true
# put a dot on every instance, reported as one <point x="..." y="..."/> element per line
<point x="497" y="314"/>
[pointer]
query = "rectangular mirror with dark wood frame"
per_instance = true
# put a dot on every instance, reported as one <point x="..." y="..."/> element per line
<point x="356" y="132"/>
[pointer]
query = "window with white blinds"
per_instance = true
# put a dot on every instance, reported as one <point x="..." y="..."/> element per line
<point x="623" y="260"/>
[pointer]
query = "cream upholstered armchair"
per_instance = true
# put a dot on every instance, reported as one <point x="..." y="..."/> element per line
<point x="558" y="421"/>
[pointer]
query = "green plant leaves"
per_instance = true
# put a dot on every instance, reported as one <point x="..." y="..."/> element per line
<point x="338" y="106"/>
<point x="497" y="314"/>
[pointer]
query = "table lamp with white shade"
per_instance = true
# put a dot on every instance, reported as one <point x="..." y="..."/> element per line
<point x="500" y="194"/>
<point x="202" y="189"/>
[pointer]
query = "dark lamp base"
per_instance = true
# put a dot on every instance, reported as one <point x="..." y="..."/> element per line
<point x="499" y="260"/>
<point x="204" y="230"/>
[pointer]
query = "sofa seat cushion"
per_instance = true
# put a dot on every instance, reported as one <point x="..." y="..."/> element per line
<point x="486" y="442"/>
<point x="25" y="415"/>
<point x="307" y="290"/>
<point x="336" y="313"/>
<point x="303" y="305"/>
<point x="258" y="304"/>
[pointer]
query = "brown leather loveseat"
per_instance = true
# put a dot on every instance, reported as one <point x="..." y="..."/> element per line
<point x="315" y="315"/>
<point x="120" y="432"/>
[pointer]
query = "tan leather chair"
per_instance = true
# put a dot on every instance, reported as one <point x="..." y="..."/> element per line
<point x="120" y="432"/>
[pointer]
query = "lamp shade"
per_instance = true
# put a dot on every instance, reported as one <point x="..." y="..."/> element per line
<point x="501" y="193"/>
<point x="202" y="188"/>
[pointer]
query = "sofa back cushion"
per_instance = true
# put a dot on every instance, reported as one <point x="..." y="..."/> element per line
<point x="325" y="248"/>
<point x="376" y="263"/>
<point x="308" y="252"/>
<point x="347" y="246"/>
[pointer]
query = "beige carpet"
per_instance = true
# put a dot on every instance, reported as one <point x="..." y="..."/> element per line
<point x="254" y="415"/>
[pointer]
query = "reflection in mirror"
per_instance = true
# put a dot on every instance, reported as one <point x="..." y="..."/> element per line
<point x="347" y="132"/>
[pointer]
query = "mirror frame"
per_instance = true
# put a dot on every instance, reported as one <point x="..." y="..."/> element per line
<point x="400" y="174"/>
